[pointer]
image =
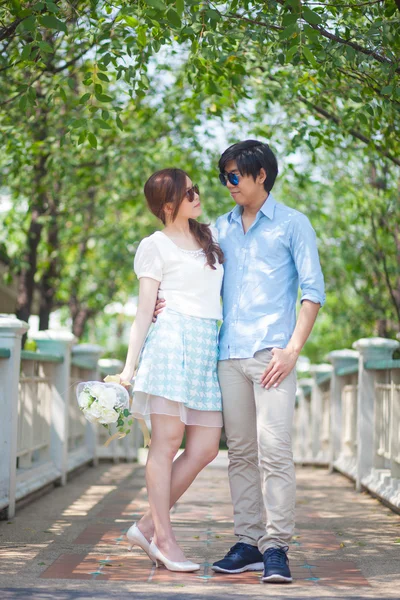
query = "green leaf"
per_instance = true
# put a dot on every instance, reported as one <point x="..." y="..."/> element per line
<point x="29" y="24"/>
<point x="83" y="99"/>
<point x="311" y="16"/>
<point x="291" y="52"/>
<point x="63" y="94"/>
<point x="92" y="140"/>
<point x="102" y="124"/>
<point x="173" y="18"/>
<point x="126" y="412"/>
<point x="26" y="51"/>
<point x="45" y="47"/>
<point x="82" y="137"/>
<point x="310" y="57"/>
<point x="363" y="118"/>
<point x="104" y="98"/>
<point x="22" y="102"/>
<point x="288" y="32"/>
<point x="141" y="36"/>
<point x="388" y="89"/>
<point x="180" y="6"/>
<point x="51" y="22"/>
<point x="131" y="21"/>
<point x="51" y="7"/>
<point x="158" y="4"/>
<point x="119" y="123"/>
<point x="102" y="77"/>
<point x="76" y="123"/>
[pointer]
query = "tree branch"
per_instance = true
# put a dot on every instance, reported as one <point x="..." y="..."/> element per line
<point x="327" y="34"/>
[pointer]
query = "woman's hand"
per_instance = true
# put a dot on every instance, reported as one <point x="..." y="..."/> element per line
<point x="125" y="380"/>
<point x="119" y="378"/>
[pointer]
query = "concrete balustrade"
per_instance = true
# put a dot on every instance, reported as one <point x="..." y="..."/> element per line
<point x="347" y="414"/>
<point x="343" y="399"/>
<point x="43" y="434"/>
<point x="377" y="436"/>
<point x="348" y="417"/>
<point x="11" y="332"/>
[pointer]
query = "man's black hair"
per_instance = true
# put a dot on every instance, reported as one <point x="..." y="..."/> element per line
<point x="252" y="156"/>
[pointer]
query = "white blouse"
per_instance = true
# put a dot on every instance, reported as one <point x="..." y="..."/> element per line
<point x="187" y="283"/>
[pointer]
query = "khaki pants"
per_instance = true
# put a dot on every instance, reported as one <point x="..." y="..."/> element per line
<point x="258" y="426"/>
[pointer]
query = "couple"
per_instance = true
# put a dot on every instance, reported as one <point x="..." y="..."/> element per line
<point x="256" y="258"/>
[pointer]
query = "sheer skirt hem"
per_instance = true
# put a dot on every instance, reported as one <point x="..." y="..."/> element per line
<point x="145" y="404"/>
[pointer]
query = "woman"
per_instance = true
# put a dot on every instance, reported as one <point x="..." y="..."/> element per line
<point x="176" y="383"/>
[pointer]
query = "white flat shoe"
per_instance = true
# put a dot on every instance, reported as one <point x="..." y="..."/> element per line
<point x="185" y="566"/>
<point x="136" y="538"/>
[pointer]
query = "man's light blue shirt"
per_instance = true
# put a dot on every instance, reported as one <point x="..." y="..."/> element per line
<point x="263" y="270"/>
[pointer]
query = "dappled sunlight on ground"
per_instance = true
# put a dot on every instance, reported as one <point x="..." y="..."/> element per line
<point x="88" y="500"/>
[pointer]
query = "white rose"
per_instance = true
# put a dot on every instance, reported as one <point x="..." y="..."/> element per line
<point x="96" y="390"/>
<point x="93" y="413"/>
<point x="108" y="415"/>
<point x="84" y="398"/>
<point x="108" y="398"/>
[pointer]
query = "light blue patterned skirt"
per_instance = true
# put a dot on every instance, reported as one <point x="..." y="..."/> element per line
<point x="177" y="372"/>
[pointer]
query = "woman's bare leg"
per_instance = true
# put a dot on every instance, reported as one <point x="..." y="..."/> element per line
<point x="202" y="444"/>
<point x="167" y="433"/>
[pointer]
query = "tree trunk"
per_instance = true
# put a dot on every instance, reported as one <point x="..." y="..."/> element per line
<point x="51" y="275"/>
<point x="26" y="280"/>
<point x="79" y="323"/>
<point x="38" y="207"/>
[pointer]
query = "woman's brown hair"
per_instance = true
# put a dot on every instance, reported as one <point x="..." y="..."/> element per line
<point x="169" y="185"/>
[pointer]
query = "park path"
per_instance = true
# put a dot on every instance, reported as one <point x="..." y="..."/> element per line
<point x="69" y="544"/>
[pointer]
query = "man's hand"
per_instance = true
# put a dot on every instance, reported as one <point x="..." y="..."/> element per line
<point x="283" y="361"/>
<point x="159" y="307"/>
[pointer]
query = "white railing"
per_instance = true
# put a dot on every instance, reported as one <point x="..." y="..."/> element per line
<point x="43" y="434"/>
<point x="384" y="393"/>
<point x="34" y="414"/>
<point x="347" y="414"/>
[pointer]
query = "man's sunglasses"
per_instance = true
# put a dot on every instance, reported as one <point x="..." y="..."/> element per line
<point x="231" y="177"/>
<point x="192" y="191"/>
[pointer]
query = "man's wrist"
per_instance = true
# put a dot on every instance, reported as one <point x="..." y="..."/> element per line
<point x="293" y="349"/>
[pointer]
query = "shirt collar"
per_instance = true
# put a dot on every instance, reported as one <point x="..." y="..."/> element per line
<point x="267" y="209"/>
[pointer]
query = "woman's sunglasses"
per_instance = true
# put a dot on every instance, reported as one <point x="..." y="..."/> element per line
<point x="231" y="177"/>
<point x="191" y="192"/>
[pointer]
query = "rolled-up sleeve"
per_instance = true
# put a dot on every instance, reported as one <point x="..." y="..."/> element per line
<point x="303" y="246"/>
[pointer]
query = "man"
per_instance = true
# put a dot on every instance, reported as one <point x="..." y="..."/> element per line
<point x="270" y="249"/>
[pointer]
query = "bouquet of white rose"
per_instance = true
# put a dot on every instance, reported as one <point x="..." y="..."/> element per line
<point x="106" y="403"/>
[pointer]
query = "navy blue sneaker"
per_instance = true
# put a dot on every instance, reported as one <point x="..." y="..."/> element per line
<point x="241" y="557"/>
<point x="276" y="566"/>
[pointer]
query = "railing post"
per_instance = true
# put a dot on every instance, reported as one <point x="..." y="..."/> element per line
<point x="319" y="412"/>
<point x="88" y="356"/>
<point x="370" y="349"/>
<point x="304" y="387"/>
<point x="340" y="359"/>
<point x="58" y="343"/>
<point x="11" y="332"/>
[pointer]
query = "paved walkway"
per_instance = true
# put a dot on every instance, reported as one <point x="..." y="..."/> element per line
<point x="70" y="544"/>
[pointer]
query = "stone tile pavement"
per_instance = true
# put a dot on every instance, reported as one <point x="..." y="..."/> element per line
<point x="70" y="543"/>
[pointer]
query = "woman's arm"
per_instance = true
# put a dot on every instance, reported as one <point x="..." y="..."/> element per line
<point x="148" y="290"/>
